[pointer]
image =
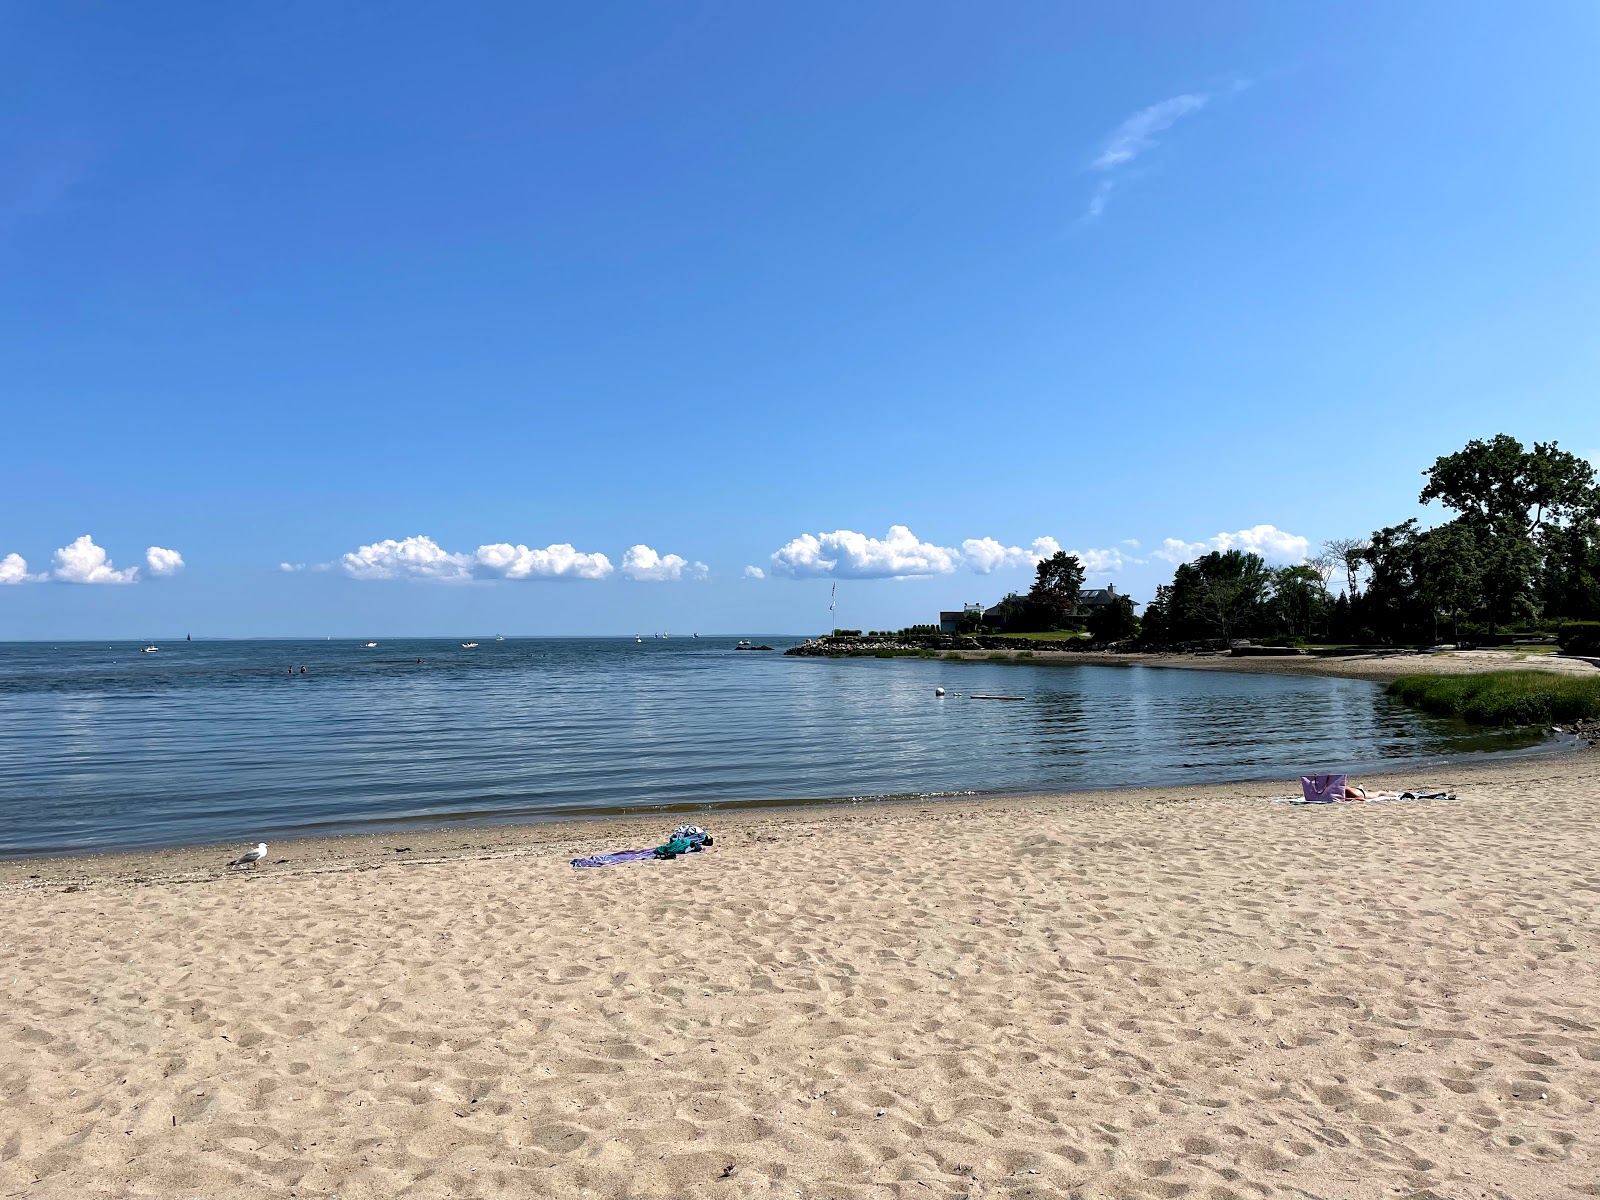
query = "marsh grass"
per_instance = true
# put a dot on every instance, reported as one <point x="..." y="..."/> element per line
<point x="1502" y="697"/>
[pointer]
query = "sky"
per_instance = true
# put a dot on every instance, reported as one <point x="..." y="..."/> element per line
<point x="375" y="319"/>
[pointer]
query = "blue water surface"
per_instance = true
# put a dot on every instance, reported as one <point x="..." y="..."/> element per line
<point x="102" y="746"/>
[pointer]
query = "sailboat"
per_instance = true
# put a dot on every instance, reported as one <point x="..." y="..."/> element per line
<point x="638" y="639"/>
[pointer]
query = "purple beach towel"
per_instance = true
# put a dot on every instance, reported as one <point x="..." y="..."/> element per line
<point x="616" y="856"/>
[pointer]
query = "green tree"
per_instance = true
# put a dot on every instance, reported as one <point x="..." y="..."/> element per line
<point x="1220" y="594"/>
<point x="1053" y="599"/>
<point x="1155" y="626"/>
<point x="1299" y="599"/>
<point x="1447" y="567"/>
<point x="1114" y="622"/>
<point x="1498" y="481"/>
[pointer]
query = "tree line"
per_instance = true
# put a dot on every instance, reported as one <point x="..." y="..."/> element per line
<point x="1521" y="553"/>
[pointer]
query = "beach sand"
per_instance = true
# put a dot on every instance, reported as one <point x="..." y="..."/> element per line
<point x="1380" y="665"/>
<point x="1159" y="993"/>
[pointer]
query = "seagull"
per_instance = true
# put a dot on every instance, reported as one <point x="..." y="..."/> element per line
<point x="251" y="857"/>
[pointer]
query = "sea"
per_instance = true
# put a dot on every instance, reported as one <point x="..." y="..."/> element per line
<point x="104" y="747"/>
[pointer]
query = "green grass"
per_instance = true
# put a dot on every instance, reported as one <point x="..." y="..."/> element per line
<point x="952" y="656"/>
<point x="999" y="656"/>
<point x="1503" y="697"/>
<point x="1060" y="635"/>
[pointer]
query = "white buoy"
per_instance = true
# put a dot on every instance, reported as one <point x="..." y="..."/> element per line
<point x="938" y="691"/>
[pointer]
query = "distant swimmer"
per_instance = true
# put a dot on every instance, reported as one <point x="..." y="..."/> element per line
<point x="302" y="670"/>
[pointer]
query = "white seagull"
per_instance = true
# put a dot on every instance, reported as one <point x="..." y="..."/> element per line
<point x="251" y="857"/>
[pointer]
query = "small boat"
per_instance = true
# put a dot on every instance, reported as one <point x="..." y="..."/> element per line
<point x="694" y="635"/>
<point x="638" y="639"/>
<point x="370" y="645"/>
<point x="469" y="645"/>
<point x="152" y="648"/>
<point x="499" y="637"/>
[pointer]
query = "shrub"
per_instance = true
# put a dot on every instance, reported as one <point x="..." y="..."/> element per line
<point x="1580" y="637"/>
<point x="1503" y="697"/>
<point x="1024" y="653"/>
<point x="952" y="656"/>
<point x="999" y="656"/>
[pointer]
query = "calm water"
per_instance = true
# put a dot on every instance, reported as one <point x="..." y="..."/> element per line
<point x="213" y="741"/>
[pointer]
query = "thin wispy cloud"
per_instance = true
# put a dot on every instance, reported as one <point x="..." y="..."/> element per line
<point x="1137" y="135"/>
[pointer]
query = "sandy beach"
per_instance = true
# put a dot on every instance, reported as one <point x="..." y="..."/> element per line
<point x="1380" y="665"/>
<point x="1156" y="993"/>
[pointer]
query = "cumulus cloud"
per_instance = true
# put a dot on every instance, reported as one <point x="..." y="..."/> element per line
<point x="1102" y="562"/>
<point x="560" y="561"/>
<point x="417" y="557"/>
<point x="84" y="562"/>
<point x="850" y="555"/>
<point x="1270" y="542"/>
<point x="14" y="569"/>
<point x="163" y="562"/>
<point x="984" y="555"/>
<point x="644" y="564"/>
<point x="422" y="558"/>
<point x="749" y="572"/>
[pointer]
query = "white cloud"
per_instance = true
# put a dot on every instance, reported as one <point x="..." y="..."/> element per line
<point x="163" y="562"/>
<point x="1134" y="542"/>
<point x="1098" y="200"/>
<point x="1101" y="562"/>
<point x="14" y="569"/>
<point x="84" y="562"/>
<point x="984" y="555"/>
<point x="1138" y="133"/>
<point x="644" y="564"/>
<point x="560" y="561"/>
<point x="754" y="573"/>
<point x="850" y="555"/>
<point x="291" y="566"/>
<point x="410" y="558"/>
<point x="1270" y="542"/>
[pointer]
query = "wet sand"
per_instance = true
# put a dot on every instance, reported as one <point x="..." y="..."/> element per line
<point x="1165" y="992"/>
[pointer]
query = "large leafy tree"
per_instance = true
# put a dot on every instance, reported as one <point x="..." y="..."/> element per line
<point x="1499" y="481"/>
<point x="1220" y="594"/>
<point x="1447" y="567"/>
<point x="1299" y="599"/>
<point x="1053" y="599"/>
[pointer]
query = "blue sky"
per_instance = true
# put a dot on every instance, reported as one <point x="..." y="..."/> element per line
<point x="305" y="284"/>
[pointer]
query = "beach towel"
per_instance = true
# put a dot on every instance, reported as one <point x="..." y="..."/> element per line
<point x="1372" y="798"/>
<point x="617" y="856"/>
<point x="685" y="839"/>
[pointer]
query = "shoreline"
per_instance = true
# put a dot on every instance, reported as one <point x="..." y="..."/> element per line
<point x="1374" y="667"/>
<point x="203" y="862"/>
<point x="1380" y="666"/>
